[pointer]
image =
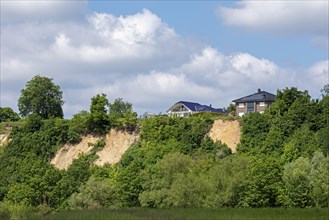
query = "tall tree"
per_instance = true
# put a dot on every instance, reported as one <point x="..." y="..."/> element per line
<point x="42" y="97"/>
<point x="98" y="120"/>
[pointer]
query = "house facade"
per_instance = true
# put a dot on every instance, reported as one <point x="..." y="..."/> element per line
<point x="184" y="108"/>
<point x="256" y="102"/>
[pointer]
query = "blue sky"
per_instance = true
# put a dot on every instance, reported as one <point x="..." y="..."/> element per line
<point x="199" y="19"/>
<point x="155" y="53"/>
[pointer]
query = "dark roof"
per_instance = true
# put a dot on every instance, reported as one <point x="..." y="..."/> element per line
<point x="259" y="96"/>
<point x="196" y="107"/>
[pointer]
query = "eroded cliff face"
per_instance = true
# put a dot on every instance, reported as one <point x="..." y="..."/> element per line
<point x="116" y="144"/>
<point x="226" y="131"/>
<point x="4" y="136"/>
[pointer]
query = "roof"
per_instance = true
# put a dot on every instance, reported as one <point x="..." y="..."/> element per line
<point x="196" y="107"/>
<point x="259" y="96"/>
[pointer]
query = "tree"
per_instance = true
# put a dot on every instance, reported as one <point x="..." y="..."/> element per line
<point x="325" y="90"/>
<point x="7" y="114"/>
<point x="42" y="97"/>
<point x="297" y="184"/>
<point x="122" y="115"/>
<point x="98" y="120"/>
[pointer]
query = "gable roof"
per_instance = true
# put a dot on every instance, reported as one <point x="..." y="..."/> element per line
<point x="258" y="96"/>
<point x="196" y="107"/>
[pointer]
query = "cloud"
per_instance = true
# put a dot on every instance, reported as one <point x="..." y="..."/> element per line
<point x="284" y="17"/>
<point x="18" y="11"/>
<point x="137" y="57"/>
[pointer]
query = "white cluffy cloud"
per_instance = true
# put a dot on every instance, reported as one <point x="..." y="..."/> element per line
<point x="137" y="57"/>
<point x="297" y="17"/>
<point x="26" y="10"/>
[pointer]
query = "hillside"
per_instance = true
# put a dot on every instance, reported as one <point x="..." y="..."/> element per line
<point x="117" y="143"/>
<point x="281" y="160"/>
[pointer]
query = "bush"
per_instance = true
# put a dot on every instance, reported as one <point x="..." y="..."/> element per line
<point x="4" y="213"/>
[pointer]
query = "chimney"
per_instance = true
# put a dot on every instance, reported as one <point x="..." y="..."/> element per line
<point x="259" y="90"/>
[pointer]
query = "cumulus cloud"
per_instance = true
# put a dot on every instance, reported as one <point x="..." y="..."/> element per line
<point x="17" y="11"/>
<point x="137" y="57"/>
<point x="301" y="17"/>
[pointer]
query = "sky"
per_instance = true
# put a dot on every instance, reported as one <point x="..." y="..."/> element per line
<point x="156" y="53"/>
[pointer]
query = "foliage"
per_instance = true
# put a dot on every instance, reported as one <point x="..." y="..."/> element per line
<point x="325" y="90"/>
<point x="92" y="195"/>
<point x="122" y="116"/>
<point x="98" y="120"/>
<point x="192" y="214"/>
<point x="297" y="183"/>
<point x="282" y="160"/>
<point x="78" y="126"/>
<point x="42" y="97"/>
<point x="7" y="114"/>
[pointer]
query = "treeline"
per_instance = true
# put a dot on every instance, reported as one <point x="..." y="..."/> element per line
<point x="282" y="160"/>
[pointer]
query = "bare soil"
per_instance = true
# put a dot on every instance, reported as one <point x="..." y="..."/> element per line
<point x="226" y="131"/>
<point x="117" y="142"/>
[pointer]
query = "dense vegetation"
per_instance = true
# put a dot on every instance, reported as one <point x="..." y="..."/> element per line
<point x="192" y="214"/>
<point x="282" y="160"/>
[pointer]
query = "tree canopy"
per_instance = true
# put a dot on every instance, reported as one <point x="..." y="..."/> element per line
<point x="42" y="97"/>
<point x="7" y="114"/>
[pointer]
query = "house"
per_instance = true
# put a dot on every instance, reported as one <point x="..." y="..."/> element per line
<point x="183" y="108"/>
<point x="256" y="102"/>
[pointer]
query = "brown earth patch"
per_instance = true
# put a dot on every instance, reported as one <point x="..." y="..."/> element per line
<point x="226" y="131"/>
<point x="117" y="143"/>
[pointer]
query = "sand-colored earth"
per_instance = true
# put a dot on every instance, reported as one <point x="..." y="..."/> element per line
<point x="4" y="136"/>
<point x="66" y="154"/>
<point x="117" y="142"/>
<point x="226" y="131"/>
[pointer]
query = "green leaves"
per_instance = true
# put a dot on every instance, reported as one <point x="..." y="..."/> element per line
<point x="42" y="97"/>
<point x="7" y="114"/>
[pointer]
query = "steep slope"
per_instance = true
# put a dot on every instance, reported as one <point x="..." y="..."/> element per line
<point x="226" y="131"/>
<point x="66" y="154"/>
<point x="117" y="142"/>
<point x="4" y="136"/>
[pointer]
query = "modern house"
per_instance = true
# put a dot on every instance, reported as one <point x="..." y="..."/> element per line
<point x="183" y="108"/>
<point x="256" y="102"/>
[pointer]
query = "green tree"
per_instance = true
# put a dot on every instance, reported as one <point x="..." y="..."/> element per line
<point x="78" y="125"/>
<point x="7" y="114"/>
<point x="297" y="184"/>
<point x="284" y="99"/>
<point x="98" y="120"/>
<point x="319" y="176"/>
<point x="94" y="194"/>
<point x="42" y="97"/>
<point x="122" y="115"/>
<point x="325" y="90"/>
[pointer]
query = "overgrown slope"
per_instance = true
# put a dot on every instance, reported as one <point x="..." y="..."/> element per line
<point x="281" y="161"/>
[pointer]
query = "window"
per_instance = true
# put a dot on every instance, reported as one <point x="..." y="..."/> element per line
<point x="262" y="104"/>
<point x="241" y="114"/>
<point x="262" y="112"/>
<point x="241" y="105"/>
<point x="250" y="107"/>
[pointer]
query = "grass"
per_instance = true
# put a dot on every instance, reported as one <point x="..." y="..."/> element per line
<point x="192" y="214"/>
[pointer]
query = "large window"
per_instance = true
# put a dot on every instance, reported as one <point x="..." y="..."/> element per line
<point x="262" y="104"/>
<point x="241" y="105"/>
<point x="250" y="107"/>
